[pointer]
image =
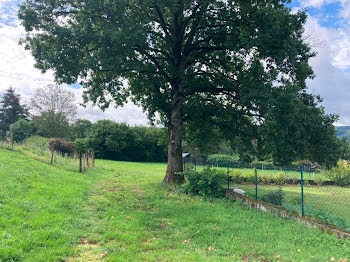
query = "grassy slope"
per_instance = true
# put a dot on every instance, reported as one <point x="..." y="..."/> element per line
<point x="122" y="212"/>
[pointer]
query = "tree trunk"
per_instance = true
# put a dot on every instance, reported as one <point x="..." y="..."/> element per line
<point x="81" y="162"/>
<point x="87" y="159"/>
<point x="51" y="157"/>
<point x="175" y="162"/>
<point x="93" y="159"/>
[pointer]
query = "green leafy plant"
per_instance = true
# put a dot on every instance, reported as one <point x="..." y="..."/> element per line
<point x="319" y="180"/>
<point x="274" y="197"/>
<point x="221" y="160"/>
<point x="37" y="145"/>
<point x="250" y="177"/>
<point x="208" y="182"/>
<point x="236" y="176"/>
<point x="321" y="215"/>
<point x="340" y="175"/>
<point x="280" y="178"/>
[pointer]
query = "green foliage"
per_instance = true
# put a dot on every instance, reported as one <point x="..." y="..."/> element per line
<point x="298" y="129"/>
<point x="21" y="130"/>
<point x="206" y="140"/>
<point x="50" y="124"/>
<point x="319" y="180"/>
<point x="236" y="176"/>
<point x="36" y="142"/>
<point x="208" y="182"/>
<point x="81" y="128"/>
<point x="53" y="107"/>
<point x="221" y="160"/>
<point x="122" y="142"/>
<point x="253" y="70"/>
<point x="280" y="178"/>
<point x="274" y="197"/>
<point x="38" y="148"/>
<point x="249" y="177"/>
<point x="11" y="111"/>
<point x="63" y="147"/>
<point x="82" y="145"/>
<point x="321" y="215"/>
<point x="340" y="175"/>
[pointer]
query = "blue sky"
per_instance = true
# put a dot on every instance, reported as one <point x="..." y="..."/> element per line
<point x="327" y="30"/>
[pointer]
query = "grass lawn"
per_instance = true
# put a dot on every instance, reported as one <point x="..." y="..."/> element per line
<point x="329" y="198"/>
<point x="122" y="212"/>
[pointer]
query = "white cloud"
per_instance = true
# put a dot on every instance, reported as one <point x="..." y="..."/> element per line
<point x="319" y="3"/>
<point x="331" y="82"/>
<point x="17" y="70"/>
<point x="340" y="49"/>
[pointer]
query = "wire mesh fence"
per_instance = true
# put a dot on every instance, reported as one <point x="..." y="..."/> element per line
<point x="304" y="189"/>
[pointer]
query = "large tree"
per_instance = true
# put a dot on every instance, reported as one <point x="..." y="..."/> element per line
<point x="81" y="128"/>
<point x="53" y="107"/>
<point x="232" y="60"/>
<point x="11" y="110"/>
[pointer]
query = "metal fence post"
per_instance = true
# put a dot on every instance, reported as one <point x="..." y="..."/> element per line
<point x="256" y="184"/>
<point x="302" y="191"/>
<point x="228" y="178"/>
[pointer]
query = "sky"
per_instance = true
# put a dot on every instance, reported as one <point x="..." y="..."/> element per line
<point x="327" y="30"/>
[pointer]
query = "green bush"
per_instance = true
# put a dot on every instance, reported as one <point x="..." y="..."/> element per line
<point x="221" y="160"/>
<point x="236" y="176"/>
<point x="280" y="178"/>
<point x="340" y="175"/>
<point x="250" y="177"/>
<point x="208" y="182"/>
<point x="37" y="144"/>
<point x="319" y="180"/>
<point x="61" y="146"/>
<point x="321" y="215"/>
<point x="274" y="197"/>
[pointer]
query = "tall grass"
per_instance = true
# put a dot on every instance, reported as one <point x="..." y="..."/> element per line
<point x="37" y="147"/>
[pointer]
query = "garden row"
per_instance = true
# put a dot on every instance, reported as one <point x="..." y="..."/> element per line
<point x="209" y="181"/>
<point x="322" y="203"/>
<point x="339" y="176"/>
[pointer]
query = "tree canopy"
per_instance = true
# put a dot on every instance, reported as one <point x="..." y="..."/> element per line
<point x="233" y="64"/>
<point x="53" y="107"/>
<point x="11" y="110"/>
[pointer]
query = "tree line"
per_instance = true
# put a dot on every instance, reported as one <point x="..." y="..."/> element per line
<point x="51" y="114"/>
<point x="52" y="110"/>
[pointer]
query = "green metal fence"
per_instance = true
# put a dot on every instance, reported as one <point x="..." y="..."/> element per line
<point x="303" y="190"/>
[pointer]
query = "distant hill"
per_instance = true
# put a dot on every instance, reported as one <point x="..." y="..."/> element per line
<point x="343" y="131"/>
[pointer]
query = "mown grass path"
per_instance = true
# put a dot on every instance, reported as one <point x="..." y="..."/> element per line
<point x="122" y="212"/>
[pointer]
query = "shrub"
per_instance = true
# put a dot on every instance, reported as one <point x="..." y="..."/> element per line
<point x="36" y="142"/>
<point x="267" y="179"/>
<point x="61" y="146"/>
<point x="319" y="180"/>
<point x="274" y="197"/>
<point x="250" y="177"/>
<point x="208" y="182"/>
<point x="236" y="176"/>
<point x="340" y="175"/>
<point x="222" y="160"/>
<point x="37" y="145"/>
<point x="321" y="215"/>
<point x="280" y="178"/>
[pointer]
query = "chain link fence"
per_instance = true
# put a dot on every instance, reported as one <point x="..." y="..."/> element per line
<point x="304" y="189"/>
